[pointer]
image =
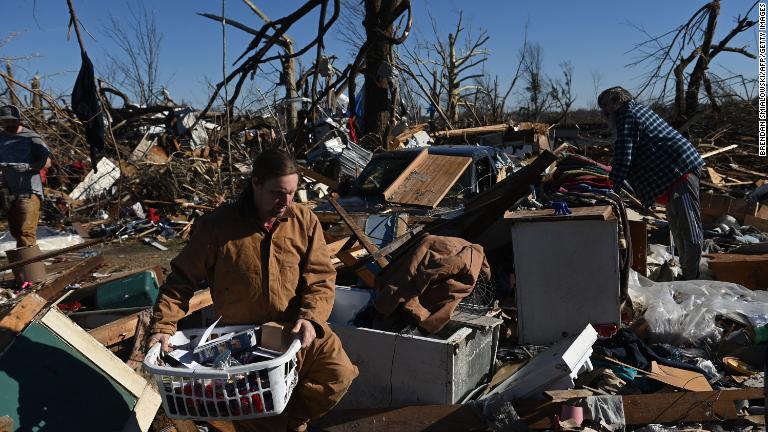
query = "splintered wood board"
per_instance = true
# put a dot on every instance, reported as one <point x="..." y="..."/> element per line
<point x="427" y="180"/>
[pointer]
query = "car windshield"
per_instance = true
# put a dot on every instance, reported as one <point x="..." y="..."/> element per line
<point x="379" y="174"/>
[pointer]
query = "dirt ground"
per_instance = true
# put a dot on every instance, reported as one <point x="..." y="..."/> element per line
<point x="133" y="254"/>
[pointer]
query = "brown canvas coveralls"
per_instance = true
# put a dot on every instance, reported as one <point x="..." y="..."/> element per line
<point x="256" y="276"/>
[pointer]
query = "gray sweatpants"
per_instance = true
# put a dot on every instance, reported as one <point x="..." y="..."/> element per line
<point x="684" y="216"/>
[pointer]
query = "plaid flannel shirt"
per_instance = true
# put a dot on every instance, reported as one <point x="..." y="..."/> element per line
<point x="649" y="153"/>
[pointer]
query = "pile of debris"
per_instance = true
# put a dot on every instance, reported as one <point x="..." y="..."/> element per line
<point x="459" y="248"/>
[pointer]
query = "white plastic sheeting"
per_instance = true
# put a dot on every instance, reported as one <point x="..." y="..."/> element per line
<point x="48" y="239"/>
<point x="684" y="312"/>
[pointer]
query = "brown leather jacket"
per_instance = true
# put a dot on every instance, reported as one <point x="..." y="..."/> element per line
<point x="255" y="276"/>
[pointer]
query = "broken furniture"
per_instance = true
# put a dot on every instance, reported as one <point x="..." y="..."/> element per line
<point x="402" y="369"/>
<point x="554" y="369"/>
<point x="566" y="266"/>
<point x="52" y="369"/>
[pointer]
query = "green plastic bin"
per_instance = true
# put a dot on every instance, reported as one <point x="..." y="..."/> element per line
<point x="140" y="289"/>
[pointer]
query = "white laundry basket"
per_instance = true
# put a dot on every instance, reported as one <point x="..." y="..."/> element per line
<point x="243" y="392"/>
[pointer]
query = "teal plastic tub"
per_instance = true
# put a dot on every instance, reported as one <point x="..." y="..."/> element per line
<point x="137" y="290"/>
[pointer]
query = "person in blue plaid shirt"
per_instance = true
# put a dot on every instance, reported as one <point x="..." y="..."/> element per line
<point x="661" y="166"/>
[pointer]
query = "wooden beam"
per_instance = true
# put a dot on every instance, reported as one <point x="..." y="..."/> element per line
<point x="52" y="290"/>
<point x="17" y="319"/>
<point x="718" y="151"/>
<point x="360" y="234"/>
<point x="338" y="245"/>
<point x="125" y="328"/>
<point x="144" y="411"/>
<point x="52" y="254"/>
<point x="685" y="406"/>
<point x="642" y="409"/>
<point x="444" y="418"/>
<point x="367" y="276"/>
<point x="222" y="426"/>
<point x="715" y="176"/>
<point x="331" y="183"/>
<point x="471" y="131"/>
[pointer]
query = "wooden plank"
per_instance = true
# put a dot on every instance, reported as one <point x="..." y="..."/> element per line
<point x="17" y="319"/>
<point x="713" y="206"/>
<point x="367" y="276"/>
<point x="52" y="254"/>
<point x="93" y="350"/>
<point x="547" y="215"/>
<point x="411" y="166"/>
<point x="144" y="411"/>
<point x="471" y="131"/>
<point x="125" y="328"/>
<point x="714" y="176"/>
<point x="650" y="408"/>
<point x="756" y="222"/>
<point x="427" y="183"/>
<point x="685" y="406"/>
<point x="338" y="245"/>
<point x="359" y="233"/>
<point x="718" y="151"/>
<point x="333" y="184"/>
<point x="680" y="378"/>
<point x="52" y="290"/>
<point x="746" y="171"/>
<point x="444" y="418"/>
<point x="189" y="425"/>
<point x="748" y="270"/>
<point x="222" y="426"/>
<point x="564" y="395"/>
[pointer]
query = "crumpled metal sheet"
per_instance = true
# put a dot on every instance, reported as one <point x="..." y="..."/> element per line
<point x="351" y="157"/>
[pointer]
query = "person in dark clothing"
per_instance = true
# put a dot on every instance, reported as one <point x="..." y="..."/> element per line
<point x="22" y="155"/>
<point x="661" y="165"/>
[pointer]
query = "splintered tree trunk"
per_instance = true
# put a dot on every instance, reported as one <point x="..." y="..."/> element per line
<point x="36" y="100"/>
<point x="289" y="70"/>
<point x="11" y="88"/>
<point x="697" y="75"/>
<point x="376" y="92"/>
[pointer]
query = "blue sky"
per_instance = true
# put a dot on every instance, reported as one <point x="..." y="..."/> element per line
<point x="594" y="35"/>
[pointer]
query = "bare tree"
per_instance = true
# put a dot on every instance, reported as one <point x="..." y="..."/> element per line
<point x="137" y="60"/>
<point x="539" y="97"/>
<point x="351" y="30"/>
<point x="287" y="76"/>
<point x="10" y="91"/>
<point x="671" y="54"/>
<point x="452" y="72"/>
<point x="597" y="82"/>
<point x="562" y="91"/>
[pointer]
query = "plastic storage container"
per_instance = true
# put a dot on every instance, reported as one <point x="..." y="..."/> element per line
<point x="140" y="289"/>
<point x="254" y="390"/>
